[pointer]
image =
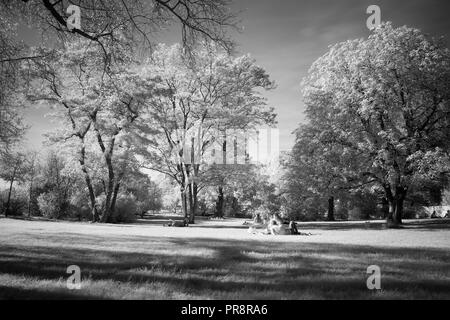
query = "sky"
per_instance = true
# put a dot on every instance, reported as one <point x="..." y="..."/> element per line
<point x="286" y="37"/>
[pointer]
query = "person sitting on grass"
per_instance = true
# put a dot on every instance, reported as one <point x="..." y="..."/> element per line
<point x="257" y="219"/>
<point x="293" y="227"/>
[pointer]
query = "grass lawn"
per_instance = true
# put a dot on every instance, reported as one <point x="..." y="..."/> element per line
<point x="220" y="260"/>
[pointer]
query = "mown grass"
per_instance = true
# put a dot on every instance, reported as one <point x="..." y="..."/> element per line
<point x="125" y="262"/>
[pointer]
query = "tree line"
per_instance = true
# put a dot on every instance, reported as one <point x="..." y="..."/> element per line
<point x="121" y="112"/>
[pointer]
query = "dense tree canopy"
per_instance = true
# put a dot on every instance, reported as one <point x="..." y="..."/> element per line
<point x="384" y="102"/>
<point x="11" y="126"/>
<point x="105" y="22"/>
<point x="97" y="107"/>
<point x="203" y="97"/>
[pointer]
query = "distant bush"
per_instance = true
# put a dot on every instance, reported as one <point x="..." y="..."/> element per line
<point x="148" y="204"/>
<point x="81" y="213"/>
<point x="142" y="207"/>
<point x="18" y="204"/>
<point x="341" y="212"/>
<point x="409" y="213"/>
<point x="49" y="205"/>
<point x="204" y="208"/>
<point x="79" y="207"/>
<point x="309" y="210"/>
<point x="52" y="205"/>
<point x="263" y="212"/>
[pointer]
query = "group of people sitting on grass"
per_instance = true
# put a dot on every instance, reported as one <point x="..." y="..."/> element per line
<point x="274" y="226"/>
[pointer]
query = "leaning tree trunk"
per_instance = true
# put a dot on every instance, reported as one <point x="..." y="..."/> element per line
<point x="87" y="178"/>
<point x="331" y="209"/>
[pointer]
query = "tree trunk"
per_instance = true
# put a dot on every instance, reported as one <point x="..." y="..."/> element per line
<point x="193" y="202"/>
<point x="220" y="203"/>
<point x="107" y="154"/>
<point x="8" y="202"/>
<point x="109" y="192"/>
<point x="114" y="199"/>
<point x="398" y="212"/>
<point x="331" y="209"/>
<point x="396" y="202"/>
<point x="193" y="189"/>
<point x="184" y="208"/>
<point x="87" y="178"/>
<point x="385" y="208"/>
<point x="235" y="206"/>
<point x="30" y="198"/>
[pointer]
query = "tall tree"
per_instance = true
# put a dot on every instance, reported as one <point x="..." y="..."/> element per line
<point x="97" y="105"/>
<point x="385" y="100"/>
<point x="209" y="92"/>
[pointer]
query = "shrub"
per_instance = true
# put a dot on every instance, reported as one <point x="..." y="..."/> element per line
<point x="79" y="207"/>
<point x="80" y="213"/>
<point x="49" y="205"/>
<point x="52" y="205"/>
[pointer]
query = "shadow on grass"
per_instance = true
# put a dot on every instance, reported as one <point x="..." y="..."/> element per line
<point x="36" y="294"/>
<point x="226" y="269"/>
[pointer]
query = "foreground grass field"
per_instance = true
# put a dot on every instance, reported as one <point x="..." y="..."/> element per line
<point x="220" y="260"/>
